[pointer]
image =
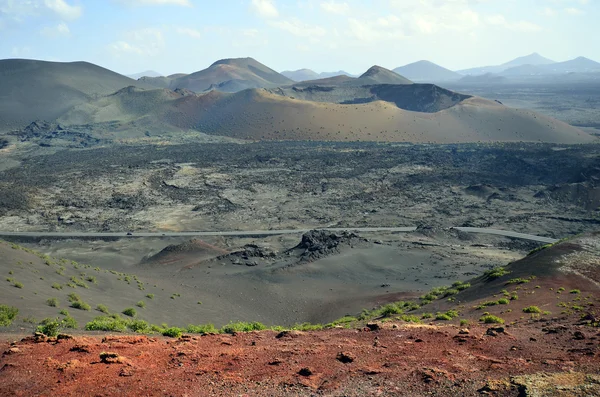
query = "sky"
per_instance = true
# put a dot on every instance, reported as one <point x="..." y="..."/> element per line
<point x="172" y="36"/>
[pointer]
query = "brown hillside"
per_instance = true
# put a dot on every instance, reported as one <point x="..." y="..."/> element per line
<point x="231" y="75"/>
<point x="32" y="90"/>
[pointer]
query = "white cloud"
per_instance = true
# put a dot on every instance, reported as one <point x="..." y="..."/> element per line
<point x="124" y="47"/>
<point x="335" y="7"/>
<point x="60" y="30"/>
<point x="21" y="52"/>
<point x="183" y="3"/>
<point x="193" y="33"/>
<point x="63" y="9"/>
<point x="299" y="28"/>
<point x="147" y="42"/>
<point x="574" y="11"/>
<point x="519" y="26"/>
<point x="265" y="8"/>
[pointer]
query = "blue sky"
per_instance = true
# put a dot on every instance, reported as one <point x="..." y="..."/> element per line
<point x="171" y="36"/>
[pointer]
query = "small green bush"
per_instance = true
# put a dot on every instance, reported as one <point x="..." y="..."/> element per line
<point x="150" y="296"/>
<point x="69" y="322"/>
<point x="202" y="329"/>
<point x="102" y="308"/>
<point x="426" y="315"/>
<point x="496" y="272"/>
<point x="73" y="297"/>
<point x="7" y="315"/>
<point x="18" y="284"/>
<point x="410" y="318"/>
<point x="107" y="323"/>
<point x="575" y="291"/>
<point x="130" y="311"/>
<point x="242" y="327"/>
<point x="50" y="327"/>
<point x="91" y="279"/>
<point x="53" y="302"/>
<point x="464" y="322"/>
<point x="64" y="312"/>
<point x="489" y="319"/>
<point x="57" y="286"/>
<point x="172" y="332"/>
<point x="518" y="281"/>
<point x="308" y="327"/>
<point x="503" y="301"/>
<point x="81" y="305"/>
<point x="141" y="304"/>
<point x="139" y="326"/>
<point x="532" y="309"/>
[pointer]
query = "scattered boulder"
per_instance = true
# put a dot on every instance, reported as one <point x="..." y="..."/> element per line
<point x="305" y="372"/>
<point x="345" y="357"/>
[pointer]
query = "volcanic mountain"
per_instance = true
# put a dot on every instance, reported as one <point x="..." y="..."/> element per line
<point x="31" y="89"/>
<point x="532" y="59"/>
<point x="231" y="75"/>
<point x="425" y="71"/>
<point x="307" y="74"/>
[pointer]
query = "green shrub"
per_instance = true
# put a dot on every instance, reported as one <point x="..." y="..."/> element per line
<point x="503" y="301"/>
<point x="57" y="286"/>
<point x="242" y="327"/>
<point x="18" y="284"/>
<point x="141" y="304"/>
<point x="518" y="281"/>
<point x="73" y="297"/>
<point x="172" y="332"/>
<point x="496" y="272"/>
<point x="91" y="279"/>
<point x="410" y="318"/>
<point x="139" y="326"/>
<point x="107" y="323"/>
<point x="202" y="329"/>
<point x="7" y="315"/>
<point x="486" y="304"/>
<point x="150" y="296"/>
<point x="102" y="308"/>
<point x="50" y="327"/>
<point x="64" y="312"/>
<point x="532" y="309"/>
<point x="81" y="305"/>
<point x="426" y="315"/>
<point x="489" y="319"/>
<point x="69" y="322"/>
<point x="308" y="327"/>
<point x="464" y="322"/>
<point x="575" y="291"/>
<point x="53" y="302"/>
<point x="449" y="315"/>
<point x="130" y="311"/>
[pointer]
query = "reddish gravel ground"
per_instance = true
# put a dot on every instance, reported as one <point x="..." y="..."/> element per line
<point x="543" y="358"/>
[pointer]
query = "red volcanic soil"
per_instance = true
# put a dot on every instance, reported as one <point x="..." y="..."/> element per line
<point x="540" y="357"/>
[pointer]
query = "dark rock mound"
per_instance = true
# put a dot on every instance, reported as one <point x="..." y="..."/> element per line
<point x="250" y="255"/>
<point x="51" y="134"/>
<point x="320" y="243"/>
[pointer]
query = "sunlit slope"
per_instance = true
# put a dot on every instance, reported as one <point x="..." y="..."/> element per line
<point x="259" y="114"/>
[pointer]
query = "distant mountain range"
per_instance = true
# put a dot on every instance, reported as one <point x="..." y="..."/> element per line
<point x="425" y="71"/>
<point x="308" y="74"/>
<point x="244" y="99"/>
<point x="147" y="73"/>
<point x="536" y="65"/>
